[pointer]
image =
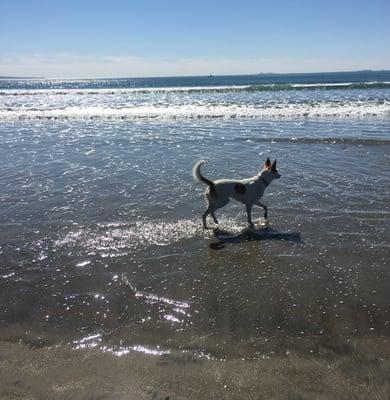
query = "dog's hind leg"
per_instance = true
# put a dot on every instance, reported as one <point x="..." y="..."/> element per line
<point x="249" y="214"/>
<point x="214" y="217"/>
<point x="214" y="205"/>
<point x="210" y="210"/>
<point x="204" y="216"/>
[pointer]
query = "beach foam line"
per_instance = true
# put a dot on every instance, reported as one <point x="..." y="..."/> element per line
<point x="119" y="91"/>
<point x="197" y="89"/>
<point x="206" y="110"/>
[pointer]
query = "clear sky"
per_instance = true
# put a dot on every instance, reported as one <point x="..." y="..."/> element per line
<point x="117" y="38"/>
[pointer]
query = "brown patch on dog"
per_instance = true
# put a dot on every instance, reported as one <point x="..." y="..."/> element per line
<point x="239" y="188"/>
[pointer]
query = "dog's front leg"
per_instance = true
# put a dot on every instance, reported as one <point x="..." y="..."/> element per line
<point x="258" y="203"/>
<point x="249" y="214"/>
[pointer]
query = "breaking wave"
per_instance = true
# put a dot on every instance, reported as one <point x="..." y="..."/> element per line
<point x="201" y="89"/>
<point x="205" y="110"/>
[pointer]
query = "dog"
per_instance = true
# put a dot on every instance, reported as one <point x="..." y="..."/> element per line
<point x="248" y="191"/>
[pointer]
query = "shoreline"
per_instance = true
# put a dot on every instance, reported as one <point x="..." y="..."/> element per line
<point x="337" y="371"/>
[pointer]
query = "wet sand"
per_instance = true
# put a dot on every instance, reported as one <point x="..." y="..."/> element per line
<point x="335" y="370"/>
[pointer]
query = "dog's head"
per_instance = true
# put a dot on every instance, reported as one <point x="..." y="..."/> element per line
<point x="269" y="171"/>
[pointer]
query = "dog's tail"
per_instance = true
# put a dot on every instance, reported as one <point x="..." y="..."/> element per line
<point x="198" y="176"/>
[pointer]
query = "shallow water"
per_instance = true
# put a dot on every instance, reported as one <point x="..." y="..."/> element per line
<point x="101" y="240"/>
<point x="101" y="243"/>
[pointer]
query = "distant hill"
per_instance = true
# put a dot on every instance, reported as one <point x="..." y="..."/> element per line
<point x="362" y="71"/>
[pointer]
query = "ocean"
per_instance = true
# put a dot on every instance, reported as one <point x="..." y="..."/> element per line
<point x="102" y="251"/>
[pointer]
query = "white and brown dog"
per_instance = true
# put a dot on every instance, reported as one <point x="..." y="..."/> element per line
<point x="247" y="191"/>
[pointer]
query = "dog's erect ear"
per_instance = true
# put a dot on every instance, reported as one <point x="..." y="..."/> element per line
<point x="273" y="166"/>
<point x="267" y="163"/>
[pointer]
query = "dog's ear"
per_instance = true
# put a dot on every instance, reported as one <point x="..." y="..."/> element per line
<point x="267" y="163"/>
<point x="273" y="166"/>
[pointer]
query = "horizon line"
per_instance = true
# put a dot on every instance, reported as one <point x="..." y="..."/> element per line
<point x="194" y="75"/>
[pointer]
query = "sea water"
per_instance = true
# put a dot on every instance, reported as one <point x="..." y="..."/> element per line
<point x="101" y="243"/>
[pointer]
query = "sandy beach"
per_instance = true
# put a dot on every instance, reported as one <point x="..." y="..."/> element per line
<point x="330" y="370"/>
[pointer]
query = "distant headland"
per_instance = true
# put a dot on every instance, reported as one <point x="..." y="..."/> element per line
<point x="362" y="71"/>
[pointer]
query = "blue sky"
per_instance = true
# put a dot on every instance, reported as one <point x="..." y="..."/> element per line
<point x="160" y="38"/>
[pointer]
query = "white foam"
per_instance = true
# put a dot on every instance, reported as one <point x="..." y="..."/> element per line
<point x="177" y="89"/>
<point x="207" y="110"/>
<point x="105" y="91"/>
